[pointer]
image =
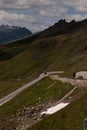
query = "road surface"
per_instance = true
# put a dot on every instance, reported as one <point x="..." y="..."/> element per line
<point x="16" y="92"/>
<point x="75" y="82"/>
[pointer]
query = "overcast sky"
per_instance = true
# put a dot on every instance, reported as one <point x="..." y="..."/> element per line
<point x="37" y="15"/>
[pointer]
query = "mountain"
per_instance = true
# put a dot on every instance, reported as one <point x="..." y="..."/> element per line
<point x="12" y="33"/>
<point x="60" y="28"/>
<point x="63" y="46"/>
<point x="64" y="27"/>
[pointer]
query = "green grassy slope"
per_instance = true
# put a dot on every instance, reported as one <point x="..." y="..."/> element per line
<point x="44" y="91"/>
<point x="23" y="61"/>
<point x="70" y="118"/>
<point x="64" y="52"/>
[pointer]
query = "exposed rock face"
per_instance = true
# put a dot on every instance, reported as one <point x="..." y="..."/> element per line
<point x="64" y="27"/>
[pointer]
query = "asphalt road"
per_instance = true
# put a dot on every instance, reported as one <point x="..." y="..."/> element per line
<point x="16" y="92"/>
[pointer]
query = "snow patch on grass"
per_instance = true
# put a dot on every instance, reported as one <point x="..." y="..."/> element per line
<point x="54" y="109"/>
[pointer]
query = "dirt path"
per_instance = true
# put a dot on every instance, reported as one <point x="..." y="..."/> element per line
<point x="75" y="82"/>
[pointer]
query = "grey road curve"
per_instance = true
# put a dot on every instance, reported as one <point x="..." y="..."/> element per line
<point x="16" y="92"/>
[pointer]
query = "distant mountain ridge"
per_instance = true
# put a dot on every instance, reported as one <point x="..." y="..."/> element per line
<point x="12" y="33"/>
<point x="63" y="27"/>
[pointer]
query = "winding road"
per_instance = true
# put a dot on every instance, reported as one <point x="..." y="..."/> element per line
<point x="16" y="92"/>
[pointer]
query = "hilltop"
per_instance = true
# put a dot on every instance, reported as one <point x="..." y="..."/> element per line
<point x="64" y="27"/>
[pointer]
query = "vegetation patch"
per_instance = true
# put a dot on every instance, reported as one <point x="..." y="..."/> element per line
<point x="43" y="91"/>
<point x="70" y="118"/>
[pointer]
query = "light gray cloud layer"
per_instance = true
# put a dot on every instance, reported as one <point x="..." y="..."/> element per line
<point x="39" y="14"/>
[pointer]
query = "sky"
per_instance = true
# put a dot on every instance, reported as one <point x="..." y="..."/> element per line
<point x="37" y="15"/>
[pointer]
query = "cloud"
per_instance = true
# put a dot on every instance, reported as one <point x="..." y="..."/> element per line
<point x="53" y="12"/>
<point x="31" y="22"/>
<point x="25" y="4"/>
<point x="39" y="14"/>
<point x="14" y="12"/>
<point x="81" y="9"/>
<point x="15" y="4"/>
<point x="77" y="17"/>
<point x="80" y="5"/>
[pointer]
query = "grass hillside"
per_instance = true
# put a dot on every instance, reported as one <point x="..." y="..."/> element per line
<point x="70" y="118"/>
<point x="44" y="91"/>
<point x="27" y="61"/>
